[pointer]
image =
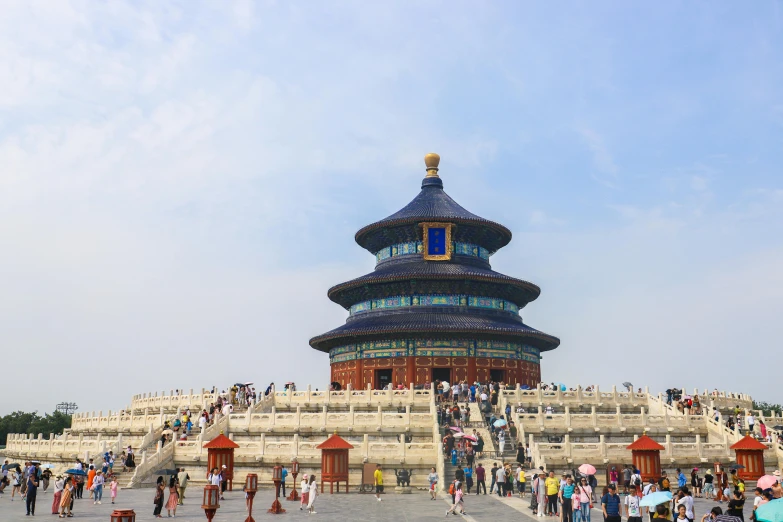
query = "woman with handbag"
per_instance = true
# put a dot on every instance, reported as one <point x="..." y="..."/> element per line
<point x="585" y="494"/>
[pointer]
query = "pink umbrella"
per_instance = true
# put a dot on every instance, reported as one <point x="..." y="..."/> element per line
<point x="766" y="482"/>
<point x="455" y="429"/>
<point x="470" y="438"/>
<point x="587" y="469"/>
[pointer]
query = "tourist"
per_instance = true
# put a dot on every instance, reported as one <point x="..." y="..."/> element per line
<point x="130" y="461"/>
<point x="305" y="487"/>
<point x="97" y="487"/>
<point x="113" y="488"/>
<point x="79" y="486"/>
<point x="709" y="490"/>
<point x="432" y="478"/>
<point x="713" y="514"/>
<point x="520" y="453"/>
<point x="59" y="484"/>
<point x="470" y="456"/>
<point x="481" y="482"/>
<point x="521" y="481"/>
<point x="696" y="482"/>
<point x="173" y="501"/>
<point x="90" y="479"/>
<point x="684" y="498"/>
<point x="16" y="482"/>
<point x="32" y="491"/>
<point x="758" y="500"/>
<point x="736" y="505"/>
<point x="468" y="474"/>
<point x="613" y="476"/>
<point x="552" y="485"/>
<point x="626" y="478"/>
<point x="182" y="484"/>
<point x="223" y="481"/>
<point x="584" y="496"/>
<point x="565" y="495"/>
<point x="610" y="504"/>
<point x="214" y="477"/>
<point x="158" y="501"/>
<point x="283" y="475"/>
<point x="502" y="441"/>
<point x="458" y="501"/>
<point x="378" y="479"/>
<point x="45" y="477"/>
<point x="528" y="455"/>
<point x="663" y="482"/>
<point x="66" y="500"/>
<point x="632" y="509"/>
<point x="750" y="420"/>
<point x="313" y="492"/>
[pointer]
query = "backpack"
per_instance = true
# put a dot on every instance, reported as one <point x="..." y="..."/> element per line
<point x="637" y="480"/>
<point x="665" y="483"/>
<point x="452" y="490"/>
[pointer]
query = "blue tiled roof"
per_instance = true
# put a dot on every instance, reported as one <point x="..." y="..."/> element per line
<point x="423" y="323"/>
<point x="433" y="204"/>
<point x="421" y="270"/>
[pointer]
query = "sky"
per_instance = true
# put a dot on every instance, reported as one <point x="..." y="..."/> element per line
<point x="180" y="182"/>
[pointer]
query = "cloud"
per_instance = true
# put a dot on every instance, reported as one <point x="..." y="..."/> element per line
<point x="602" y="158"/>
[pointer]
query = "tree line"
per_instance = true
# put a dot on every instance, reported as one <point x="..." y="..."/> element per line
<point x="26" y="422"/>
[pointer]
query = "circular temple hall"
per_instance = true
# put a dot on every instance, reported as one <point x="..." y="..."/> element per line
<point x="433" y="308"/>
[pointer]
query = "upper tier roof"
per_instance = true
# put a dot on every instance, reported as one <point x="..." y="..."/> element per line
<point x="433" y="204"/>
<point x="519" y="291"/>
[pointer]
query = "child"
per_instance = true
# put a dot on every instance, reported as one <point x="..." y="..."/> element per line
<point x="114" y="486"/>
<point x="454" y="457"/>
<point x="458" y="501"/>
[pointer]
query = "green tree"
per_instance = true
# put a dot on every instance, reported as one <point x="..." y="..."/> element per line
<point x="767" y="407"/>
<point x="32" y="423"/>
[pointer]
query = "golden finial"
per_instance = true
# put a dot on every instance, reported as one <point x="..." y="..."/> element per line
<point x="432" y="160"/>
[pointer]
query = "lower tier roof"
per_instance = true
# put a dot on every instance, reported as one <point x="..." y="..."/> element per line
<point x="433" y="324"/>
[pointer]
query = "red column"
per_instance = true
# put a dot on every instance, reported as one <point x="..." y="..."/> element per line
<point x="472" y="372"/>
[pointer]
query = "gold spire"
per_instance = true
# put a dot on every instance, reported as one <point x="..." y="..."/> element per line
<point x="432" y="160"/>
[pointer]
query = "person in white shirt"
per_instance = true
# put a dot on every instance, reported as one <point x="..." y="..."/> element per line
<point x="202" y="422"/>
<point x="632" y="509"/>
<point x="750" y="420"/>
<point x="685" y="499"/>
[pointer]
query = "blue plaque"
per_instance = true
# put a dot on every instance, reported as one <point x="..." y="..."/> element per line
<point x="436" y="241"/>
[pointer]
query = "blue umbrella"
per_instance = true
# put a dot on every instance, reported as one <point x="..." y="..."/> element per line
<point x="525" y="387"/>
<point x="653" y="499"/>
<point x="76" y="472"/>
<point x="499" y="423"/>
<point x="563" y="387"/>
<point x="772" y="511"/>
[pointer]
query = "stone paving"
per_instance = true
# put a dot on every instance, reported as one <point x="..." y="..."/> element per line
<point x="346" y="508"/>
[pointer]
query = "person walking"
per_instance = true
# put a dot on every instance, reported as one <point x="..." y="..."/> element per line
<point x="16" y="482"/>
<point x="158" y="501"/>
<point x="610" y="505"/>
<point x="182" y="484"/>
<point x="433" y="480"/>
<point x="97" y="487"/>
<point x="312" y="494"/>
<point x="173" y="501"/>
<point x="283" y="476"/>
<point x="459" y="500"/>
<point x="378" y="479"/>
<point x="32" y="491"/>
<point x="114" y="487"/>
<point x="59" y="484"/>
<point x="304" y="486"/>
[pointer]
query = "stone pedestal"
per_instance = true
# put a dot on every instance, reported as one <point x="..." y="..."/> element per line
<point x="402" y="490"/>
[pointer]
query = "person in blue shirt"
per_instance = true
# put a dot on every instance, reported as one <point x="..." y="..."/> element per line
<point x="680" y="479"/>
<point x="610" y="505"/>
<point x="283" y="475"/>
<point x="454" y="457"/>
<point x="468" y="478"/>
<point x="566" y="492"/>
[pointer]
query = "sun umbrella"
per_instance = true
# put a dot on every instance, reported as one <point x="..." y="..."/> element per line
<point x="772" y="511"/>
<point x="248" y="384"/>
<point x="76" y="472"/>
<point x="766" y="482"/>
<point x="470" y="438"/>
<point x="48" y="466"/>
<point x="653" y="499"/>
<point x="167" y="471"/>
<point x="562" y="386"/>
<point x="456" y="429"/>
<point x="627" y="384"/>
<point x="500" y="423"/>
<point x="587" y="469"/>
<point x="736" y="466"/>
<point x="167" y="432"/>
<point x="10" y="466"/>
<point x="778" y="427"/>
<point x="459" y="435"/>
<point x="525" y="387"/>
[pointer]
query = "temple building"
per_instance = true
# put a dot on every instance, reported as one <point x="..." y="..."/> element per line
<point x="433" y="308"/>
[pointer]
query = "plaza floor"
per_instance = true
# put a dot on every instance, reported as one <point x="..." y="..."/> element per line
<point x="346" y="508"/>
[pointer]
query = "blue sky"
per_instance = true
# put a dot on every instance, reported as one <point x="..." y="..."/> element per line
<point x="180" y="182"/>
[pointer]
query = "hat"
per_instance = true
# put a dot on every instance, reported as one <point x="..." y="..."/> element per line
<point x="224" y="465"/>
<point x="776" y="473"/>
<point x="708" y="472"/>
